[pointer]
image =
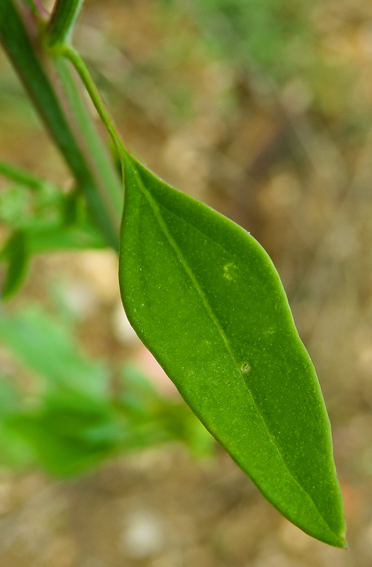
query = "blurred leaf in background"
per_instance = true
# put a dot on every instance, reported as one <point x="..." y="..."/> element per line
<point x="75" y="419"/>
<point x="41" y="220"/>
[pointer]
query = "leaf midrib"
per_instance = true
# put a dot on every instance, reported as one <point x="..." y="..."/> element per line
<point x="172" y="242"/>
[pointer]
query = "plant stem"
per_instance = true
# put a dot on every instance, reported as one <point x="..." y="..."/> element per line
<point x="62" y="21"/>
<point x="22" y="176"/>
<point x="73" y="56"/>
<point x="39" y="76"/>
<point x="103" y="169"/>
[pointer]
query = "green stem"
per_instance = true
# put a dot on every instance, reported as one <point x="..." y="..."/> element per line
<point x="22" y="176"/>
<point x="105" y="173"/>
<point x="72" y="55"/>
<point x="38" y="74"/>
<point x="62" y="21"/>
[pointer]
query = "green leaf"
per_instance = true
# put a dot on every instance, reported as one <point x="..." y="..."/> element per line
<point x="16" y="254"/>
<point x="48" y="348"/>
<point x="153" y="419"/>
<point x="49" y="219"/>
<point x="56" y="237"/>
<point x="75" y="422"/>
<point x="68" y="438"/>
<point x="205" y="298"/>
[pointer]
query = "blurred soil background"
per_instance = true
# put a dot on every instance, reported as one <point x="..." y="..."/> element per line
<point x="263" y="109"/>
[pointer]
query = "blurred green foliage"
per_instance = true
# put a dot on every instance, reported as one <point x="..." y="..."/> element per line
<point x="41" y="220"/>
<point x="73" y="417"/>
<point x="50" y="218"/>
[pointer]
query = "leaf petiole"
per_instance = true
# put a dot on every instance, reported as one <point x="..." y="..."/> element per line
<point x="75" y="59"/>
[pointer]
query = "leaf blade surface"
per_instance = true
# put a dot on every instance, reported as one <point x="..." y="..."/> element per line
<point x="205" y="298"/>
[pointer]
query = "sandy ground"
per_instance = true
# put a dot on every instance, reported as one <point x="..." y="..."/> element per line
<point x="159" y="509"/>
